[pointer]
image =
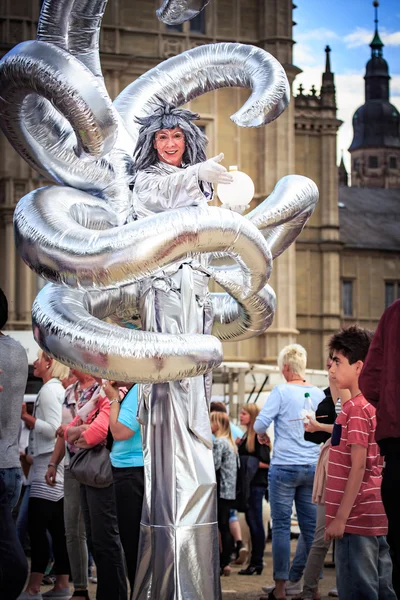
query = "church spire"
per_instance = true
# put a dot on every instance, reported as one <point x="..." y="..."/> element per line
<point x="342" y="173"/>
<point x="327" y="60"/>
<point x="377" y="72"/>
<point x="376" y="45"/>
<point x="328" y="83"/>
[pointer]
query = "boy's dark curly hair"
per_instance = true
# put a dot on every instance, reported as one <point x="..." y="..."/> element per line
<point x="352" y="341"/>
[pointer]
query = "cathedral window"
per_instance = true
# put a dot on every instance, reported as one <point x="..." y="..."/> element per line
<point x="373" y="162"/>
<point x="347" y="297"/>
<point x="392" y="162"/>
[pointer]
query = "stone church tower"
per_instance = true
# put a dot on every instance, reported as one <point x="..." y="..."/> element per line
<point x="375" y="149"/>
<point x="318" y="248"/>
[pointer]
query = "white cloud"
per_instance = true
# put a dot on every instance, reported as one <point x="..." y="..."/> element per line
<point x="310" y="76"/>
<point x="362" y="37"/>
<point x="304" y="55"/>
<point x="391" y="39"/>
<point x="395" y="85"/>
<point x="349" y="96"/>
<point x="359" y="37"/>
<point x="319" y="34"/>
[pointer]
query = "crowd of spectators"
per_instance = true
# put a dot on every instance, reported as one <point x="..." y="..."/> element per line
<point x="325" y="461"/>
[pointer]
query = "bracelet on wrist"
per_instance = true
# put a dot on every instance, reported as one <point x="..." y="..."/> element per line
<point x="114" y="400"/>
<point x="51" y="464"/>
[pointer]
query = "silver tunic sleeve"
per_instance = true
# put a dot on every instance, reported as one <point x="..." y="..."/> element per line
<point x="164" y="187"/>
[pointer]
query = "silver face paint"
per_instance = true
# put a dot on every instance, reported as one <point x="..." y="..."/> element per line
<point x="129" y="271"/>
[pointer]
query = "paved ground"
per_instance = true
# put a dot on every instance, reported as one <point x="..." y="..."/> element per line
<point x="238" y="587"/>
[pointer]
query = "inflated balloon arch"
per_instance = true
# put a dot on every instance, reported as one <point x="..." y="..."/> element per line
<point x="128" y="295"/>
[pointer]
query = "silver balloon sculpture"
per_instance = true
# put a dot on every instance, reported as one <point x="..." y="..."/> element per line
<point x="128" y="297"/>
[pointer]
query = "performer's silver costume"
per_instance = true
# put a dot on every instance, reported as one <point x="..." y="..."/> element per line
<point x="117" y="259"/>
<point x="177" y="443"/>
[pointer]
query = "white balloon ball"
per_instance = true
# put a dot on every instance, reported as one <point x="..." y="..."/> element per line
<point x="238" y="193"/>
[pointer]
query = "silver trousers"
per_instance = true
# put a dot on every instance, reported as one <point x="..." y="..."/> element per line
<point x="178" y="547"/>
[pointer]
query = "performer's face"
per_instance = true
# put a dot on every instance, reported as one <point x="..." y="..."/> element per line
<point x="170" y="146"/>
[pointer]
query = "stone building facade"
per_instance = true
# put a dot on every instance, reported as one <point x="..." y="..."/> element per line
<point x="348" y="258"/>
<point x="307" y="277"/>
<point x="318" y="248"/>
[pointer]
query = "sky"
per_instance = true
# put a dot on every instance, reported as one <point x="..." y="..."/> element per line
<point x="347" y="26"/>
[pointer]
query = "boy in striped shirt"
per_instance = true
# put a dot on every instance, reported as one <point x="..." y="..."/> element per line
<point x="355" y="516"/>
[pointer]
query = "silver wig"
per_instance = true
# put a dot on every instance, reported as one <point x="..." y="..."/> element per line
<point x="167" y="116"/>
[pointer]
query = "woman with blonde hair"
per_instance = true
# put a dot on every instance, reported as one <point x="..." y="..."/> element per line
<point x="226" y="464"/>
<point x="46" y="503"/>
<point x="254" y="461"/>
<point x="293" y="463"/>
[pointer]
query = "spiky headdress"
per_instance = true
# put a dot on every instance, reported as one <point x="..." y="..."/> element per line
<point x="167" y="116"/>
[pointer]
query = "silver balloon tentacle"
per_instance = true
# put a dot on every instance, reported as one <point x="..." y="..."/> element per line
<point x="206" y="68"/>
<point x="53" y="22"/>
<point x="237" y="319"/>
<point x="46" y="135"/>
<point x="84" y="33"/>
<point x="72" y="254"/>
<point x="75" y="26"/>
<point x="175" y="12"/>
<point x="71" y="88"/>
<point x="282" y="216"/>
<point x="63" y="324"/>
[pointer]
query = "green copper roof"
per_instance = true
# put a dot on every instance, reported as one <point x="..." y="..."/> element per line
<point x="376" y="42"/>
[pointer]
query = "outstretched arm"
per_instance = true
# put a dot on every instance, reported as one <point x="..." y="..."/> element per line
<point x="159" y="191"/>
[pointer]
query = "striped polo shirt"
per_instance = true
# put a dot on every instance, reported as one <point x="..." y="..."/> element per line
<point x="356" y="425"/>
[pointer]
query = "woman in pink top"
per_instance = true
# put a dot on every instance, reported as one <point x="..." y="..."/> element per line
<point x="88" y="429"/>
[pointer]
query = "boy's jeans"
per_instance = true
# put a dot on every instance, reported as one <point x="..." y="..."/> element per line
<point x="288" y="484"/>
<point x="363" y="568"/>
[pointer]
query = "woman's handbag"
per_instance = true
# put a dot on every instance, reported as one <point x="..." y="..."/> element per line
<point x="92" y="467"/>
